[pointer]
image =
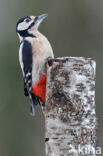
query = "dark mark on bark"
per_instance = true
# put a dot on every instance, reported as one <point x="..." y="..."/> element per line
<point x="58" y="96"/>
<point x="46" y="139"/>
<point x="50" y="62"/>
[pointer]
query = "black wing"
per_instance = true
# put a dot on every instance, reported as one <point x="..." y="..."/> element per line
<point x="27" y="68"/>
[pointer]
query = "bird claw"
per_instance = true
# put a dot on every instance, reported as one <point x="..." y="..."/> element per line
<point x="43" y="69"/>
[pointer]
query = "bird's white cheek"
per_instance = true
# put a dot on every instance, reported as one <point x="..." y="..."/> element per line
<point x="23" y="26"/>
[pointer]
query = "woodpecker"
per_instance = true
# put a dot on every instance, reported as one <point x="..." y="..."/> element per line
<point x="34" y="50"/>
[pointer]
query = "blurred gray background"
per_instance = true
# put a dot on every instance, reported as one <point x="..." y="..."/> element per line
<point x="74" y="28"/>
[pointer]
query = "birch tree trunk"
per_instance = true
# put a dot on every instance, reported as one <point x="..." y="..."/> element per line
<point x="70" y="118"/>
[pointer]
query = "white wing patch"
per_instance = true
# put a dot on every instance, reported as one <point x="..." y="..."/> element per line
<point x="20" y="57"/>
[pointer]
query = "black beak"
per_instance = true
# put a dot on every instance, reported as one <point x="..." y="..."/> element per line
<point x="40" y="18"/>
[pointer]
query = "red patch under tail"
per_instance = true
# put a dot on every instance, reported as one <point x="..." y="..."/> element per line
<point x="39" y="89"/>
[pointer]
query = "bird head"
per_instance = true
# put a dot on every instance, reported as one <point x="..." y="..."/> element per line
<point x="26" y="25"/>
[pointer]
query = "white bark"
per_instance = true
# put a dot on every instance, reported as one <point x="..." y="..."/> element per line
<point x="70" y="119"/>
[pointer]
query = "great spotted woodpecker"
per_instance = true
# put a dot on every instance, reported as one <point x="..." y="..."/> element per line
<point x="33" y="51"/>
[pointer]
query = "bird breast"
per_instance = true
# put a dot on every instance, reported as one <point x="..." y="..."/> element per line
<point x="41" y="49"/>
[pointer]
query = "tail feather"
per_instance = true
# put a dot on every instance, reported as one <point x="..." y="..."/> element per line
<point x="34" y="100"/>
<point x="32" y="110"/>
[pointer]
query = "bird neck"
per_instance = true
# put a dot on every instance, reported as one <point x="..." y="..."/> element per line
<point x="23" y="34"/>
<point x="34" y="32"/>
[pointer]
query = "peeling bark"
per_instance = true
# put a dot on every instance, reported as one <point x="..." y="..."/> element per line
<point x="70" y="118"/>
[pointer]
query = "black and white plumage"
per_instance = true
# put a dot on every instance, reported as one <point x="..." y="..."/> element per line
<point x="33" y="52"/>
<point x="27" y="66"/>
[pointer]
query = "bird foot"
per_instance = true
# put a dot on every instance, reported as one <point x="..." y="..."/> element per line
<point x="43" y="69"/>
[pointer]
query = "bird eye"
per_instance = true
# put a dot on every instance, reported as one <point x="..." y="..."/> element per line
<point x="27" y="20"/>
